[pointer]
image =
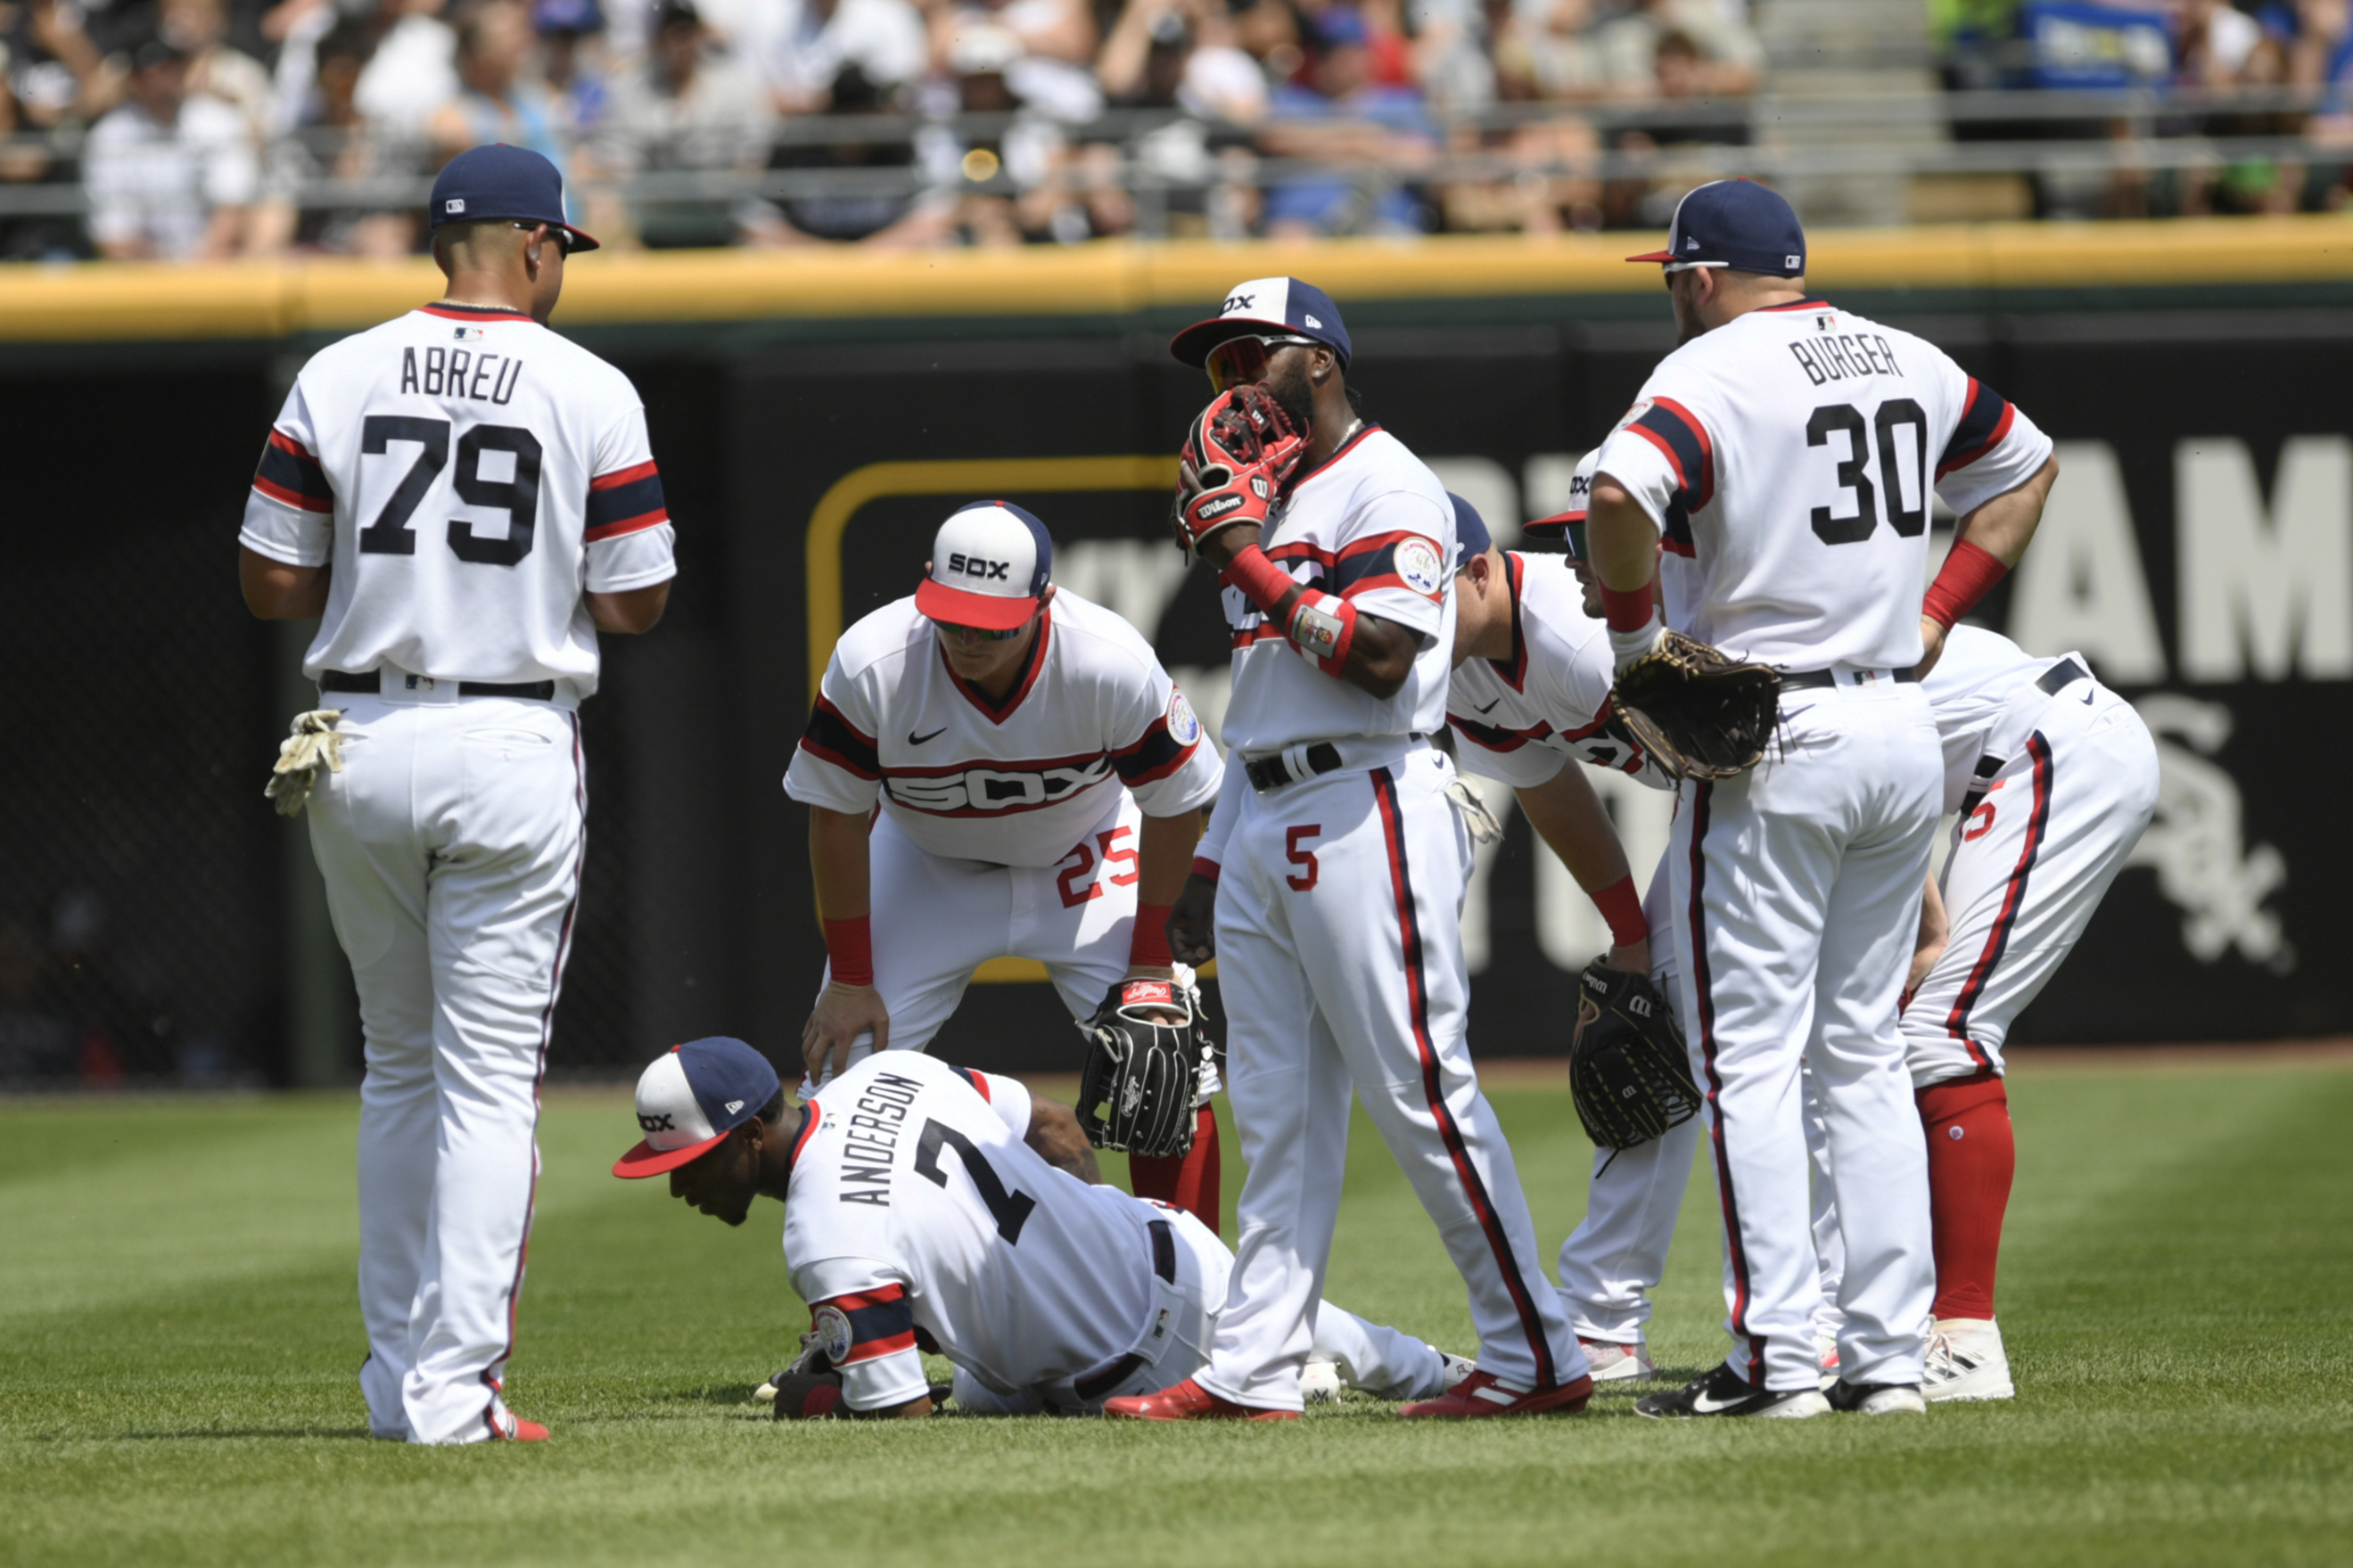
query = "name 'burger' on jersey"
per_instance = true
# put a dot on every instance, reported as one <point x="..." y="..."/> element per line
<point x="1015" y="782"/>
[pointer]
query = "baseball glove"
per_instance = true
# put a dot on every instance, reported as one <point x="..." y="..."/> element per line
<point x="1236" y="454"/>
<point x="1142" y="1075"/>
<point x="1700" y="714"/>
<point x="1628" y="1070"/>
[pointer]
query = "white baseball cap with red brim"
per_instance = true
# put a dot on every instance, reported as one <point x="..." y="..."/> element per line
<point x="991" y="561"/>
<point x="691" y="1097"/>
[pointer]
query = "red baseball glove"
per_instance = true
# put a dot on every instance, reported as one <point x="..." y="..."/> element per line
<point x="1237" y="454"/>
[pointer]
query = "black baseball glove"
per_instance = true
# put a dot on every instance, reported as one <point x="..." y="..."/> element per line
<point x="1141" y="1075"/>
<point x="1628" y="1069"/>
<point x="1700" y="713"/>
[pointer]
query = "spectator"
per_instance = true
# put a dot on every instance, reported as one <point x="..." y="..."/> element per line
<point x="56" y="73"/>
<point x="2213" y="44"/>
<point x="1565" y="56"/>
<point x="1221" y="80"/>
<point x="1061" y="30"/>
<point x="1342" y="117"/>
<point x="1732" y="57"/>
<point x="811" y="42"/>
<point x="412" y="71"/>
<point x="685" y="107"/>
<point x="168" y="175"/>
<point x="335" y="142"/>
<point x="880" y="217"/>
<point x="574" y="63"/>
<point x="27" y="160"/>
<point x="217" y="71"/>
<point x="496" y="100"/>
<point x="995" y="77"/>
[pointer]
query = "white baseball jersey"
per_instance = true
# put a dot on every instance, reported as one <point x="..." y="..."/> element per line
<point x="915" y="1215"/>
<point x="1985" y="703"/>
<point x="1787" y="458"/>
<point x="1015" y="784"/>
<point x="469" y="473"/>
<point x="1372" y="525"/>
<point x="1524" y="718"/>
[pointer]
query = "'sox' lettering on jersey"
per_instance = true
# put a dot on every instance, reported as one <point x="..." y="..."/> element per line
<point x="870" y="1142"/>
<point x="971" y="791"/>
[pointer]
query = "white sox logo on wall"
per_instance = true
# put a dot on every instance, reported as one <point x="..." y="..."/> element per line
<point x="1184" y="725"/>
<point x="833" y="1333"/>
<point x="1417" y="563"/>
<point x="990" y="789"/>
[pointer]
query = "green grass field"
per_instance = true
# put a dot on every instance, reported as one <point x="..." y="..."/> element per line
<point x="179" y="1339"/>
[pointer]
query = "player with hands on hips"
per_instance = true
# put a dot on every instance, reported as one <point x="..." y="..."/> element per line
<point x="1783" y="457"/>
<point x="929" y="1208"/>
<point x="464" y="500"/>
<point x="996" y="767"/>
<point x="1331" y="879"/>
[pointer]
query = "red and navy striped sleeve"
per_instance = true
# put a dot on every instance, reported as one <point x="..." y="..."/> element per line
<point x="1369" y="564"/>
<point x="880" y="1323"/>
<point x="625" y="502"/>
<point x="1986" y="418"/>
<point x="289" y="474"/>
<point x="832" y="738"/>
<point x="1153" y="757"/>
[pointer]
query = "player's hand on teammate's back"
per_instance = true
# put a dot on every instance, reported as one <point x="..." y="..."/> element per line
<point x="843" y="1013"/>
<point x="1193" y="923"/>
<point x="1932" y="646"/>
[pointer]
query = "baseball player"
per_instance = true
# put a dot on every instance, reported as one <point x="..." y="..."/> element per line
<point x="1033" y="782"/>
<point x="1530" y="695"/>
<point x="2053" y="777"/>
<point x="1335" y="863"/>
<point x="1783" y="457"/>
<point x="465" y="500"/>
<point x="932" y="1207"/>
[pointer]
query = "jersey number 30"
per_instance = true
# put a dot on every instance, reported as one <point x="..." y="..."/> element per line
<point x="392" y="534"/>
<point x="1011" y="1208"/>
<point x="1845" y="421"/>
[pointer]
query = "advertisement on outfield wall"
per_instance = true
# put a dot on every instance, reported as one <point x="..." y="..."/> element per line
<point x="2198" y="552"/>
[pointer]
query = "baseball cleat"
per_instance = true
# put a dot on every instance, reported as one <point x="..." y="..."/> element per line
<point x="1826" y="1347"/>
<point x="1878" y="1399"/>
<point x="1319" y="1383"/>
<point x="1724" y="1392"/>
<point x="811" y="1352"/>
<point x="1484" y="1394"/>
<point x="1966" y="1360"/>
<point x="512" y="1428"/>
<point x="1188" y="1401"/>
<point x="1458" y="1367"/>
<point x="1614" y="1362"/>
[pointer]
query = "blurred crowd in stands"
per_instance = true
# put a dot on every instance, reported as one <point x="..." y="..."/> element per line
<point x="224" y="128"/>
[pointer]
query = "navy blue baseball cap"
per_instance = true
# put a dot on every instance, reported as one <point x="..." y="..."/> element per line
<point x="503" y="182"/>
<point x="991" y="561"/>
<point x="1470" y="535"/>
<point x="1266" y="307"/>
<point x="691" y="1097"/>
<point x="1738" y="224"/>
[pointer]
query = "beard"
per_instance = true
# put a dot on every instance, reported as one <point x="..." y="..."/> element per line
<point x="1295" y="398"/>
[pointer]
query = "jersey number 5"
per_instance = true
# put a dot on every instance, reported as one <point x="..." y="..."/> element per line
<point x="1845" y="420"/>
<point x="1011" y="1208"/>
<point x="392" y="534"/>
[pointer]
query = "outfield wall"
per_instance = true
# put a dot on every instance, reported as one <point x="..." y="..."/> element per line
<point x="814" y="416"/>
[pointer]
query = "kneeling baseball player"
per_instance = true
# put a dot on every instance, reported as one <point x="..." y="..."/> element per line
<point x="933" y="1207"/>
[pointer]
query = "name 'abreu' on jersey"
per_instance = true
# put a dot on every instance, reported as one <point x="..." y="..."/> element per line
<point x="1787" y="457"/>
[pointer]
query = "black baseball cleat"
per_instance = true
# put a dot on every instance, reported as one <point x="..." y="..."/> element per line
<point x="1877" y="1398"/>
<point x="1724" y="1392"/>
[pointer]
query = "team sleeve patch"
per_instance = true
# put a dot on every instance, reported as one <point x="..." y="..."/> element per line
<point x="1986" y="418"/>
<point x="625" y="502"/>
<point x="289" y="474"/>
<point x="834" y="739"/>
<point x="866" y="1326"/>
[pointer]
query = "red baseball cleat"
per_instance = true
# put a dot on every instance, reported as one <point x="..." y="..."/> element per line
<point x="1483" y="1394"/>
<point x="512" y="1428"/>
<point x="1188" y="1401"/>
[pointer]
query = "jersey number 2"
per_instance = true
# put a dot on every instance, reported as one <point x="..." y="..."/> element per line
<point x="392" y="534"/>
<point x="1845" y="420"/>
<point x="1011" y="1208"/>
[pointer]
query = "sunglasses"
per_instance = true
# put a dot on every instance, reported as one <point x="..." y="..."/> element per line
<point x="1576" y="532"/>
<point x="563" y="238"/>
<point x="1242" y="362"/>
<point x="981" y="634"/>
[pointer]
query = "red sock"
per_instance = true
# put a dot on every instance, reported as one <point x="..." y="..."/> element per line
<point x="1971" y="1158"/>
<point x="1188" y="1181"/>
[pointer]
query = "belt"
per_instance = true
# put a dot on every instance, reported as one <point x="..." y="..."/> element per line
<point x="371" y="682"/>
<point x="1096" y="1384"/>
<point x="2062" y="675"/>
<point x="1293" y="764"/>
<point x="1813" y="677"/>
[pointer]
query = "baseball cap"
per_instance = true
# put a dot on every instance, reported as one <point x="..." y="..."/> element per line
<point x="1340" y="26"/>
<point x="503" y="182"/>
<point x="1265" y="305"/>
<point x="1471" y="536"/>
<point x="989" y="562"/>
<point x="1570" y="524"/>
<point x="691" y="1097"/>
<point x="1738" y="224"/>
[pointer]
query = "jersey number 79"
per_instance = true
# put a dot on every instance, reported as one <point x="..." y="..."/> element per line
<point x="392" y="534"/>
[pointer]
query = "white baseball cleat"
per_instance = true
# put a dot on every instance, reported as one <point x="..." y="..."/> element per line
<point x="1878" y="1399"/>
<point x="1966" y="1360"/>
<point x="1613" y="1362"/>
<point x="1458" y="1367"/>
<point x="1319" y="1383"/>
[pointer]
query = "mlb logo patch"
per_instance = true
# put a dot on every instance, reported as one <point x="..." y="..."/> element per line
<point x="454" y="205"/>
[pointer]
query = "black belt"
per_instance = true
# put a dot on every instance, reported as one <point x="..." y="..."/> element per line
<point x="2065" y="673"/>
<point x="371" y="682"/>
<point x="1830" y="678"/>
<point x="1270" y="771"/>
<point x="1094" y="1385"/>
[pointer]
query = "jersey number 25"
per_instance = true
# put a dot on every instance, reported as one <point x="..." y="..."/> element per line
<point x="392" y="534"/>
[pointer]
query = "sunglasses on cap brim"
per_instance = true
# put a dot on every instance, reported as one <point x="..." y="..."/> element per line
<point x="1242" y="362"/>
<point x="563" y="238"/>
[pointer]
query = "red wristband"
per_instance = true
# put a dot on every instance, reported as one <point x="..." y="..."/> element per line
<point x="1210" y="868"/>
<point x="850" y="944"/>
<point x="1966" y="575"/>
<point x="1622" y="908"/>
<point x="1626" y="609"/>
<point x="1260" y="578"/>
<point x="1147" y="944"/>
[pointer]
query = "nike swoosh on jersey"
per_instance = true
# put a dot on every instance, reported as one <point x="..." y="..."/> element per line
<point x="915" y="740"/>
<point x="1490" y="707"/>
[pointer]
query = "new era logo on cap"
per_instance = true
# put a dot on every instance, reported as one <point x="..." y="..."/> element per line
<point x="991" y="561"/>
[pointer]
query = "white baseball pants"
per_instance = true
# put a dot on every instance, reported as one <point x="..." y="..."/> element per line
<point x="1340" y="956"/>
<point x="1799" y="884"/>
<point x="451" y="844"/>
